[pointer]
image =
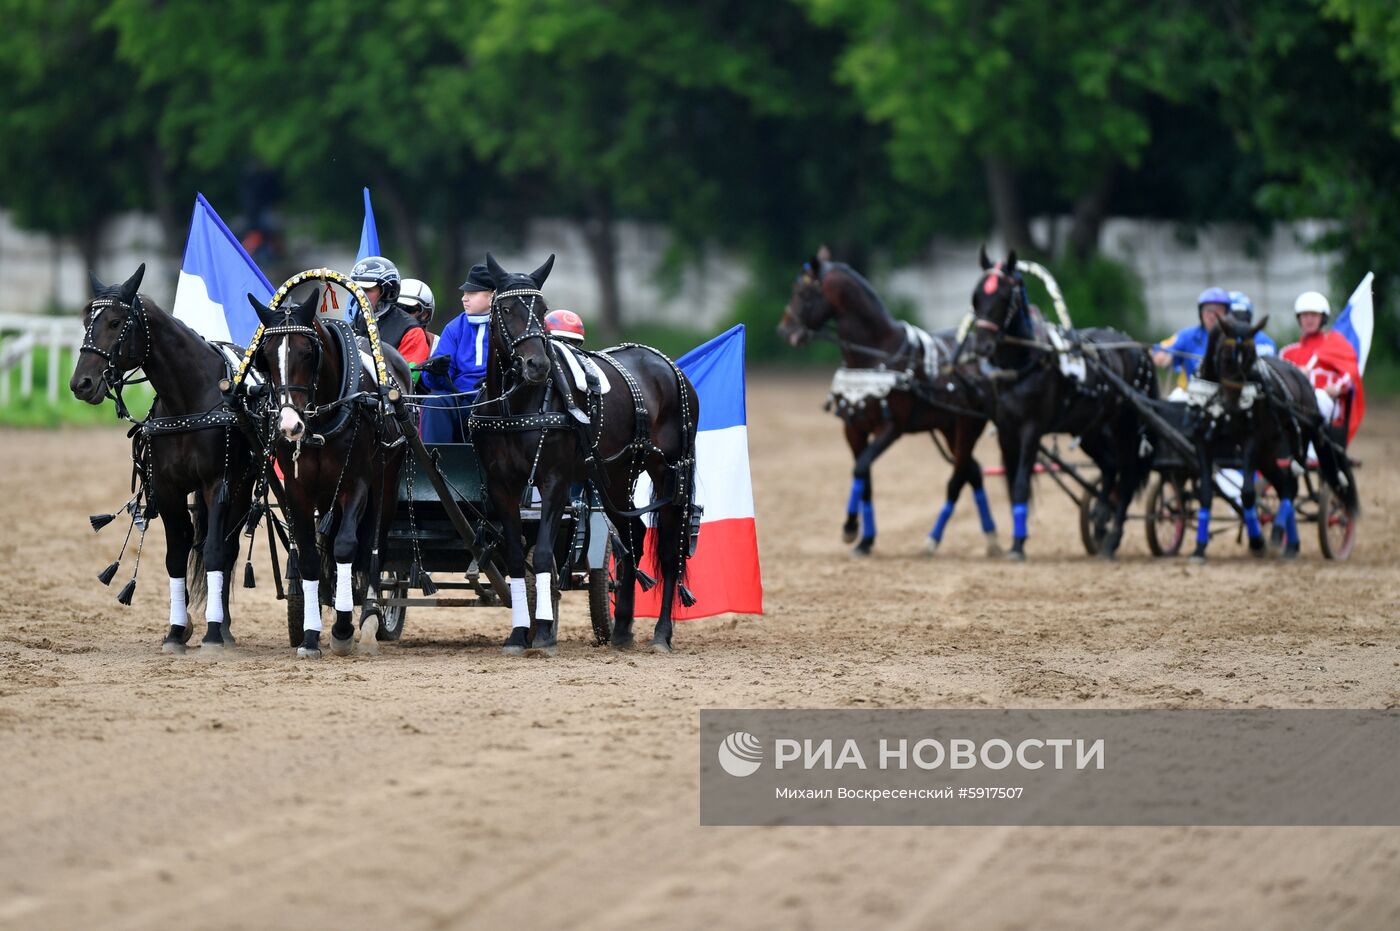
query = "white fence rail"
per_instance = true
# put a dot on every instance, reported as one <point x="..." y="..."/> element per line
<point x="21" y="335"/>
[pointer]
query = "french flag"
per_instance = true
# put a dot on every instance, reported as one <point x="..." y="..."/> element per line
<point x="215" y="279"/>
<point x="723" y="573"/>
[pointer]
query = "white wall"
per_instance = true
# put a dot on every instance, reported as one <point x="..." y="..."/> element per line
<point x="39" y="272"/>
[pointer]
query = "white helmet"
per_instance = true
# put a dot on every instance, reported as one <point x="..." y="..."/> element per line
<point x="415" y="295"/>
<point x="1312" y="302"/>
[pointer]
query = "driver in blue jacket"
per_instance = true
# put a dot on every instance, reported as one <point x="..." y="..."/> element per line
<point x="1183" y="351"/>
<point x="458" y="366"/>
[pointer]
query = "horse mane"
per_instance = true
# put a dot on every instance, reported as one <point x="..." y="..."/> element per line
<point x="865" y="286"/>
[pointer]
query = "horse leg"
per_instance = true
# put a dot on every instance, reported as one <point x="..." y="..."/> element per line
<point x="1249" y="499"/>
<point x="1022" y="448"/>
<point x="866" y="483"/>
<point x="1205" y="493"/>
<point x="217" y="561"/>
<point x="179" y="539"/>
<point x="1286" y="520"/>
<point x="309" y="567"/>
<point x="345" y="549"/>
<point x="1105" y="512"/>
<point x="554" y="499"/>
<point x="634" y="533"/>
<point x="507" y="508"/>
<point x="856" y="438"/>
<point x="950" y="501"/>
<point x="670" y="557"/>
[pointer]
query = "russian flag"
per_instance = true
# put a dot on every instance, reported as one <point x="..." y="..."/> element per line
<point x="215" y="279"/>
<point x="1357" y="322"/>
<point x="723" y="573"/>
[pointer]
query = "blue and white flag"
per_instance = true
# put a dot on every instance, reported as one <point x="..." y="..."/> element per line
<point x="1357" y="321"/>
<point x="216" y="278"/>
<point x="369" y="233"/>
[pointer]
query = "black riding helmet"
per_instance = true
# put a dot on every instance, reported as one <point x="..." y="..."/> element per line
<point x="377" y="271"/>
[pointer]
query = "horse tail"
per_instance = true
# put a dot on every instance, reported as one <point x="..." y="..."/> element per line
<point x="196" y="585"/>
<point x="1335" y="470"/>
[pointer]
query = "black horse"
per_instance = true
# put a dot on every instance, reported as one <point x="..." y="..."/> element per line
<point x="1039" y="387"/>
<point x="895" y="380"/>
<point x="339" y="452"/>
<point x="545" y="432"/>
<point x="190" y="444"/>
<point x="1263" y="410"/>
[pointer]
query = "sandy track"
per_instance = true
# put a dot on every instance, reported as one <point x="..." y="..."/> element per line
<point x="441" y="784"/>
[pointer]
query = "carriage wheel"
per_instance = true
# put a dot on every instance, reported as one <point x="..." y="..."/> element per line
<point x="1166" y="515"/>
<point x="600" y="602"/>
<point x="1093" y="520"/>
<point x="1266" y="504"/>
<point x="1336" y="525"/>
<point x="392" y="617"/>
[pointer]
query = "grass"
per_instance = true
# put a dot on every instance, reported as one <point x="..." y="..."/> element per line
<point x="37" y="411"/>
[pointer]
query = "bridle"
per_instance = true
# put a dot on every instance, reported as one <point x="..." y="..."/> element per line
<point x="534" y="329"/>
<point x="282" y="394"/>
<point x="115" y="375"/>
<point x="1013" y="306"/>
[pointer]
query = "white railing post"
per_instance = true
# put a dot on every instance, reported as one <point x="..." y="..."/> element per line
<point x="55" y="363"/>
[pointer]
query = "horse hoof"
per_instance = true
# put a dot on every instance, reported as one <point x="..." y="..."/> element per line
<point x="1257" y="548"/>
<point x="548" y="649"/>
<point x="1290" y="551"/>
<point x="993" y="547"/>
<point x="848" y="536"/>
<point x="623" y="643"/>
<point x="660" y="646"/>
<point x="1015" y="556"/>
<point x="175" y="647"/>
<point x="862" y="548"/>
<point x="930" y="547"/>
<point x="211" y="650"/>
<point x="342" y="647"/>
<point x="519" y="640"/>
<point x="1197" y="559"/>
<point x="228" y="635"/>
<point x="308" y="652"/>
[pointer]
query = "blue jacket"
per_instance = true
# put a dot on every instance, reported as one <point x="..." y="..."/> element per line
<point x="466" y="340"/>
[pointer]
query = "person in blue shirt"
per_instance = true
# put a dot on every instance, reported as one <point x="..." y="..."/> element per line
<point x="458" y="366"/>
<point x="1188" y="346"/>
<point x="1242" y="309"/>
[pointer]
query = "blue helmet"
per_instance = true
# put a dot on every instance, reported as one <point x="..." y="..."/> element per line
<point x="1213" y="296"/>
<point x="1241" y="307"/>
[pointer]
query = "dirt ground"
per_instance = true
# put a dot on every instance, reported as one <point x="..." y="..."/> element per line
<point x="441" y="784"/>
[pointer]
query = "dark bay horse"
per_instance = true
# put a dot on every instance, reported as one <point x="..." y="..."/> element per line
<point x="893" y="382"/>
<point x="339" y="453"/>
<point x="1038" y="388"/>
<point x="544" y="431"/>
<point x="1264" y="410"/>
<point x="190" y="444"/>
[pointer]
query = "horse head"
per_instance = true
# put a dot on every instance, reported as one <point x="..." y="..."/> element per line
<point x="115" y="338"/>
<point x="290" y="354"/>
<point x="517" y="320"/>
<point x="1231" y="356"/>
<point x="996" y="302"/>
<point x="808" y="309"/>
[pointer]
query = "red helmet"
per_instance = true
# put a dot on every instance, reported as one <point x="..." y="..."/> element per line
<point x="564" y="324"/>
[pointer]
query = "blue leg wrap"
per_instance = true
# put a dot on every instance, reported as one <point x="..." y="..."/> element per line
<point x="1018" y="521"/>
<point x="1251" y="523"/>
<point x="943" y="517"/>
<point x="857" y="493"/>
<point x="1203" y="526"/>
<point x="867" y="517"/>
<point x="984" y="510"/>
<point x="1288" y="517"/>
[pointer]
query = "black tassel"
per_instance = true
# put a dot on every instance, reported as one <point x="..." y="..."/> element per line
<point x="106" y="575"/>
<point x="426" y="584"/>
<point x="248" y="581"/>
<point x="254" y="515"/>
<point x="687" y="596"/>
<point x="99" y="521"/>
<point x="324" y="526"/>
<point x="293" y="575"/>
<point x="221" y="496"/>
<point x="645" y="581"/>
<point x="127" y="592"/>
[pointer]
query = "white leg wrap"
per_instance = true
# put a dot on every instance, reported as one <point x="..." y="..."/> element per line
<point x="519" y="608"/>
<point x="179" y="615"/>
<point x="344" y="598"/>
<point x="214" y="605"/>
<point x="311" y="608"/>
<point x="544" y="601"/>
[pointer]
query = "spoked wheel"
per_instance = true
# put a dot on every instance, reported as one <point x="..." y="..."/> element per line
<point x="1094" y="517"/>
<point x="600" y="602"/>
<point x="392" y="616"/>
<point x="1336" y="525"/>
<point x="1166" y="515"/>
